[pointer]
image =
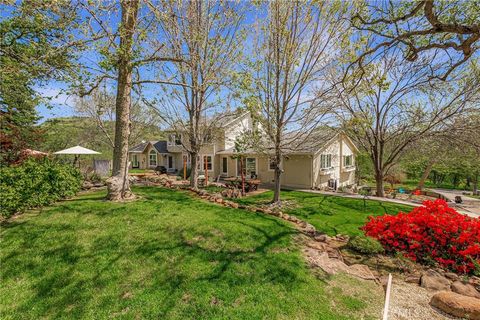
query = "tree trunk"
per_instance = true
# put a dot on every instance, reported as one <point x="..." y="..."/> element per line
<point x="379" y="183"/>
<point x="426" y="173"/>
<point x="277" y="175"/>
<point x="193" y="171"/>
<point x="242" y="174"/>
<point x="475" y="184"/>
<point x="118" y="185"/>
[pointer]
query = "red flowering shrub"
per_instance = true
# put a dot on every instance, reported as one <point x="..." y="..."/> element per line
<point x="431" y="233"/>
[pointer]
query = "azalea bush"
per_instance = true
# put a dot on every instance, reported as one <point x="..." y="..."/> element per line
<point x="430" y="234"/>
<point x="35" y="183"/>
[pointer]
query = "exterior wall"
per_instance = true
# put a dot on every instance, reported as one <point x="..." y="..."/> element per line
<point x="297" y="171"/>
<point x="344" y="176"/>
<point x="142" y="163"/>
<point x="235" y="129"/>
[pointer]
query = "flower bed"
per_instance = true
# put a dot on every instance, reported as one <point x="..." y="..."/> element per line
<point x="430" y="234"/>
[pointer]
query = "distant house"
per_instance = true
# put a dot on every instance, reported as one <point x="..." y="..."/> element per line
<point x="323" y="159"/>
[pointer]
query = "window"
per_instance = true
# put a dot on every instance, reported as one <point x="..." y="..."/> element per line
<point x="224" y="165"/>
<point x="175" y="139"/>
<point x="135" y="163"/>
<point x="250" y="166"/>
<point x="348" y="160"/>
<point x="271" y="164"/>
<point x="325" y="161"/>
<point x="207" y="138"/>
<point x="201" y="164"/>
<point x="153" y="158"/>
<point x="170" y="162"/>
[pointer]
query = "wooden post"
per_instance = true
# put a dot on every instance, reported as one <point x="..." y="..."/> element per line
<point x="184" y="167"/>
<point x="387" y="297"/>
<point x="206" y="171"/>
<point x="242" y="175"/>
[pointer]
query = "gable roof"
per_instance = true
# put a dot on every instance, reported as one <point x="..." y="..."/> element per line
<point x="298" y="142"/>
<point x="160" y="146"/>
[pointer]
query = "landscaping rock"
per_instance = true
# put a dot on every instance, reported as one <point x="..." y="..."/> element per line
<point x="457" y="305"/>
<point x="413" y="279"/>
<point x="451" y="276"/>
<point x="309" y="229"/>
<point x="361" y="271"/>
<point x="321" y="237"/>
<point x="433" y="280"/>
<point x="465" y="289"/>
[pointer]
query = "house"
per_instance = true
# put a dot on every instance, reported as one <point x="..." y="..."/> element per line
<point x="324" y="158"/>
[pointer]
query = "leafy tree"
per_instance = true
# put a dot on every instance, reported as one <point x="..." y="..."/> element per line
<point x="35" y="47"/>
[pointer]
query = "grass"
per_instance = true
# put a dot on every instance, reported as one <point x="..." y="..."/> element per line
<point x="330" y="214"/>
<point x="164" y="256"/>
<point x="140" y="171"/>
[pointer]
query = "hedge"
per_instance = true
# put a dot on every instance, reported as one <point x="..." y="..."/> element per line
<point x="36" y="183"/>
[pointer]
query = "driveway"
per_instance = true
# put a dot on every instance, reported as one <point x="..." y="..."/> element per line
<point x="470" y="206"/>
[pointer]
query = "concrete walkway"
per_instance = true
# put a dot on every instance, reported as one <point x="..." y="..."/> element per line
<point x="464" y="209"/>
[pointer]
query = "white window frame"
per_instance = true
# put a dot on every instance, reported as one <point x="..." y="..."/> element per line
<point x="269" y="159"/>
<point x="201" y="164"/>
<point x="135" y="162"/>
<point x="328" y="161"/>
<point x="225" y="158"/>
<point x="246" y="173"/>
<point x="150" y="154"/>
<point x="345" y="160"/>
<point x="172" y="140"/>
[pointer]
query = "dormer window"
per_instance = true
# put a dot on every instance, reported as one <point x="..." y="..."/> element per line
<point x="175" y="139"/>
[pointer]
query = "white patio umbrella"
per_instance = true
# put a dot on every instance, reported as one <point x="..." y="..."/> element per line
<point x="77" y="151"/>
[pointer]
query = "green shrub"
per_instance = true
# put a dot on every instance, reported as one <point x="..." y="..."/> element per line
<point x="36" y="183"/>
<point x="365" y="245"/>
<point x="180" y="173"/>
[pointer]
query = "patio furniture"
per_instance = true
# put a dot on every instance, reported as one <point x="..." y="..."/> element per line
<point x="250" y="184"/>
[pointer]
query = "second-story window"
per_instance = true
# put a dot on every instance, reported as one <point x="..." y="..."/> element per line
<point x="348" y="160"/>
<point x="325" y="161"/>
<point x="175" y="139"/>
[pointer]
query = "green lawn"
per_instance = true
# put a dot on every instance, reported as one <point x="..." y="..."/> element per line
<point x="165" y="256"/>
<point x="330" y="214"/>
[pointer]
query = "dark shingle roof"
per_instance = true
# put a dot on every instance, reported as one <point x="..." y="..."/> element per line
<point x="139" y="147"/>
<point x="161" y="146"/>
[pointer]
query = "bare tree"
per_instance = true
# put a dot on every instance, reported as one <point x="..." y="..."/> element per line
<point x="204" y="40"/>
<point x="395" y="105"/>
<point x="296" y="43"/>
<point x="99" y="107"/>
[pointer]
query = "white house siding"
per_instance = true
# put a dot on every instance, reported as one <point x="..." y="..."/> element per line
<point x="344" y="177"/>
<point x="235" y="129"/>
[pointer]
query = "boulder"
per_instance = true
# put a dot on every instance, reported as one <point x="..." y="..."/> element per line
<point x="451" y="276"/>
<point x="457" y="305"/>
<point x="361" y="271"/>
<point x="433" y="280"/>
<point x="465" y="289"/>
